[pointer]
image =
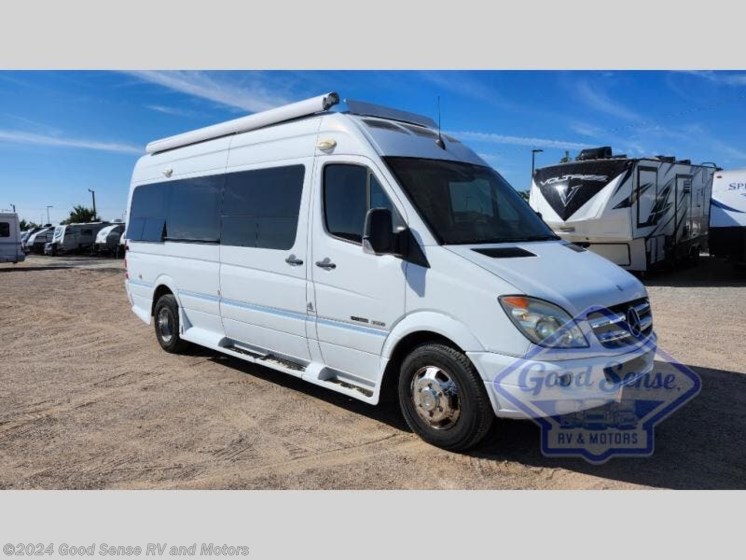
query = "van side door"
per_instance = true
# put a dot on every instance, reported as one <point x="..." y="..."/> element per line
<point x="358" y="296"/>
<point x="263" y="257"/>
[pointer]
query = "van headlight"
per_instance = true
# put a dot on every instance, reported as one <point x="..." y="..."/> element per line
<point x="543" y="323"/>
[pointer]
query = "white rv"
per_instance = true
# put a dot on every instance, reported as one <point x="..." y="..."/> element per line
<point x="37" y="241"/>
<point x="108" y="239"/>
<point x="728" y="215"/>
<point x="72" y="238"/>
<point x="10" y="239"/>
<point x="639" y="213"/>
<point x="362" y="250"/>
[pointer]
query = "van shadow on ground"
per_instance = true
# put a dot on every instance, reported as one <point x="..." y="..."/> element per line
<point x="701" y="446"/>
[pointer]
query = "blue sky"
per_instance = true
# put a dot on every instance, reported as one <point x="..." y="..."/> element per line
<point x="63" y="132"/>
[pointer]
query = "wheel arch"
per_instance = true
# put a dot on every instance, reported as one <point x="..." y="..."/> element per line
<point x="417" y="329"/>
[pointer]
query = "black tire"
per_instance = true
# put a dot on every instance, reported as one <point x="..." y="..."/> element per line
<point x="166" y="323"/>
<point x="475" y="415"/>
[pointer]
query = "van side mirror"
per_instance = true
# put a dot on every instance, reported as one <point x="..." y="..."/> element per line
<point x="378" y="235"/>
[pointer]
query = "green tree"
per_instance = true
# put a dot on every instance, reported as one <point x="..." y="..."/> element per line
<point x="524" y="195"/>
<point x="24" y="225"/>
<point x="80" y="214"/>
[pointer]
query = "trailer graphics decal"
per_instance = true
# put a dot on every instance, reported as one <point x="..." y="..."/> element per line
<point x="604" y="411"/>
<point x="568" y="187"/>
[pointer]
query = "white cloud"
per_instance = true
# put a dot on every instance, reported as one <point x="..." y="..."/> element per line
<point x="721" y="77"/>
<point x="598" y="100"/>
<point x="171" y="110"/>
<point x="18" y="137"/>
<point x="251" y="96"/>
<point x="517" y="140"/>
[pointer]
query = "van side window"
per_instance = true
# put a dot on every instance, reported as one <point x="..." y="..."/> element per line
<point x="194" y="211"/>
<point x="148" y="214"/>
<point x="261" y="207"/>
<point x="349" y="192"/>
<point x="4" y="229"/>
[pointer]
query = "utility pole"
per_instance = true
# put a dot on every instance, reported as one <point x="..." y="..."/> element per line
<point x="533" y="160"/>
<point x="93" y="194"/>
<point x="14" y="207"/>
<point x="48" y="220"/>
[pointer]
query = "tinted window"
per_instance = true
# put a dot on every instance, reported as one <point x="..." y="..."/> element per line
<point x="465" y="203"/>
<point x="345" y="200"/>
<point x="349" y="192"/>
<point x="260" y="207"/>
<point x="194" y="212"/>
<point x="147" y="220"/>
<point x="4" y="229"/>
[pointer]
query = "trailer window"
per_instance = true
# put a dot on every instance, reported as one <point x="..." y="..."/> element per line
<point x="4" y="229"/>
<point x="261" y="207"/>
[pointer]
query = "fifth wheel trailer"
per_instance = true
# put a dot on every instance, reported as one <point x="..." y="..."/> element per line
<point x="639" y="213"/>
<point x="728" y="215"/>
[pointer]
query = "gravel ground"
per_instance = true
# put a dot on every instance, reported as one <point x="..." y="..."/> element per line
<point x="89" y="400"/>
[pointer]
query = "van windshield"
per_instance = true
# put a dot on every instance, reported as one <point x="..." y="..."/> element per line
<point x="463" y="203"/>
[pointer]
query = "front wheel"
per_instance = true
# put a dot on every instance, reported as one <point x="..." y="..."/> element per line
<point x="166" y="320"/>
<point x="443" y="399"/>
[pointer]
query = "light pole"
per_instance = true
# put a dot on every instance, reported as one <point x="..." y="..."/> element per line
<point x="93" y="194"/>
<point x="533" y="160"/>
<point x="48" y="207"/>
<point x="14" y="207"/>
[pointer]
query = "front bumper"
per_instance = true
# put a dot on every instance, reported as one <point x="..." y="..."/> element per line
<point x="533" y="388"/>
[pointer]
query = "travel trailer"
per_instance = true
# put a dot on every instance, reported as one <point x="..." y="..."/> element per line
<point x="38" y="240"/>
<point x="73" y="238"/>
<point x="108" y="238"/>
<point x="728" y="215"/>
<point x="639" y="213"/>
<point x="10" y="239"/>
<point x="363" y="251"/>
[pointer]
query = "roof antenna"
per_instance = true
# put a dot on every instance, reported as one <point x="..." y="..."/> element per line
<point x="439" y="141"/>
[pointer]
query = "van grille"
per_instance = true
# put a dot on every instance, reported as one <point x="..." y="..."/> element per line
<point x="616" y="326"/>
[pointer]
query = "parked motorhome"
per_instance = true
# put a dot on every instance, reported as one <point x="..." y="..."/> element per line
<point x="362" y="250"/>
<point x="75" y="238"/>
<point x="10" y="238"/>
<point x="728" y="215"/>
<point x="108" y="238"/>
<point x="639" y="213"/>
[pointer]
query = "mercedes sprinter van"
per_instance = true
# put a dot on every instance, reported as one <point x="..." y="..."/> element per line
<point x="362" y="250"/>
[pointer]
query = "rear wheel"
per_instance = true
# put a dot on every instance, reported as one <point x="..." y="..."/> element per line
<point x="443" y="399"/>
<point x="166" y="320"/>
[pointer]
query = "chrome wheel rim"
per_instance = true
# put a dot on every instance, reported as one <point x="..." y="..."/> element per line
<point x="165" y="328"/>
<point x="435" y="397"/>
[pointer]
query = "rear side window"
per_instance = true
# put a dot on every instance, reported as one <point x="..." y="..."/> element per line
<point x="261" y="207"/>
<point x="148" y="212"/>
<point x="183" y="210"/>
<point x="4" y="229"/>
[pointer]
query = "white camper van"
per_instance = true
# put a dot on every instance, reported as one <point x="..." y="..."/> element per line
<point x="361" y="250"/>
<point x="639" y="213"/>
<point x="728" y="215"/>
<point x="10" y="239"/>
<point x="75" y="237"/>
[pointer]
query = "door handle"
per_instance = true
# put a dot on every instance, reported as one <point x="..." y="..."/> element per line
<point x="292" y="260"/>
<point x="326" y="263"/>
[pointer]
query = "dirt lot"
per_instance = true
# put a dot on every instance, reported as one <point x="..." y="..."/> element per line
<point x="89" y="400"/>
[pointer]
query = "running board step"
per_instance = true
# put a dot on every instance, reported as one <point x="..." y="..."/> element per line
<point x="261" y="357"/>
